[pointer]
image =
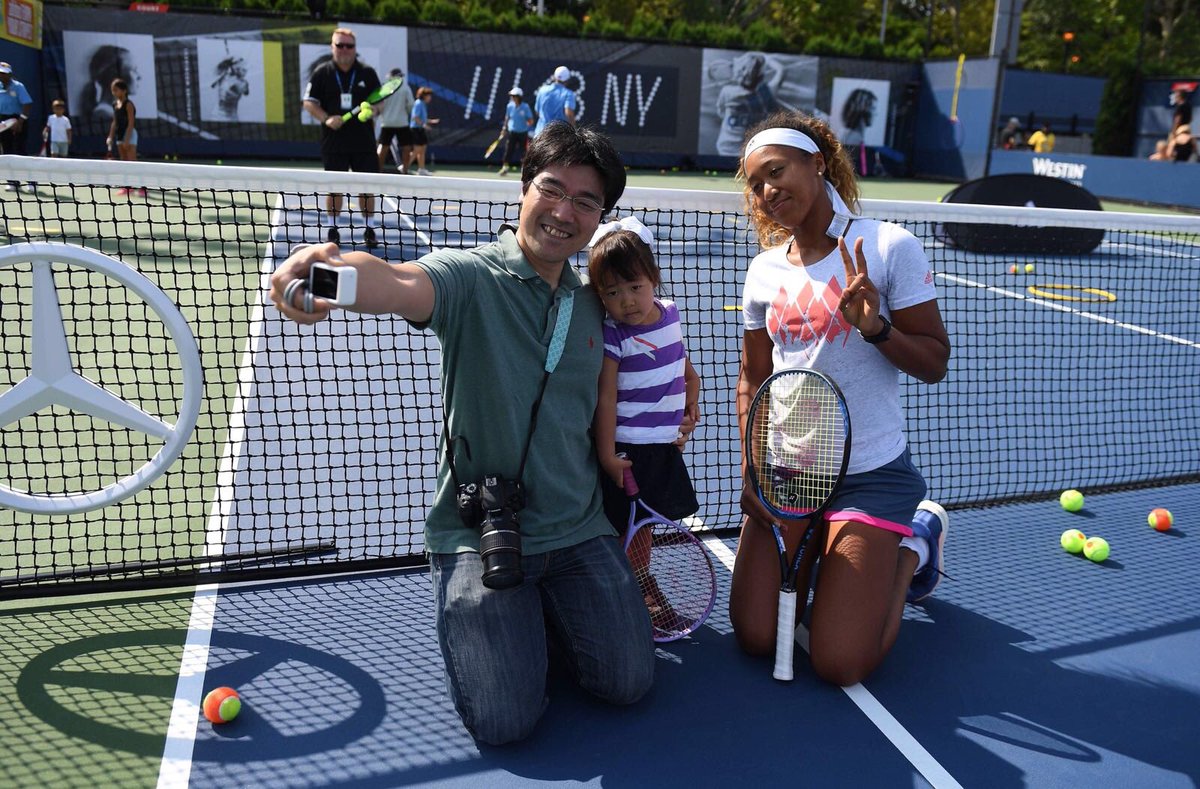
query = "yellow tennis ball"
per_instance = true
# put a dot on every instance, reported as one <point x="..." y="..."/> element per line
<point x="1028" y="268"/>
<point x="222" y="705"/>
<point x="1096" y="549"/>
<point x="1160" y="519"/>
<point x="366" y="113"/>
<point x="1071" y="500"/>
<point x="1072" y="541"/>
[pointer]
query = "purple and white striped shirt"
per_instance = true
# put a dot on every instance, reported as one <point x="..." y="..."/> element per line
<point x="650" y="386"/>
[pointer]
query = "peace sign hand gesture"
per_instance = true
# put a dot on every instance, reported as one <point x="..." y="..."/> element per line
<point x="859" y="303"/>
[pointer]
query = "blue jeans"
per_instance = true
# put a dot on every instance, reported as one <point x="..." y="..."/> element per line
<point x="494" y="641"/>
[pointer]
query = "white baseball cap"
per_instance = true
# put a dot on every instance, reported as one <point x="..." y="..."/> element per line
<point x="516" y="92"/>
<point x="5" y="68"/>
<point x="562" y="73"/>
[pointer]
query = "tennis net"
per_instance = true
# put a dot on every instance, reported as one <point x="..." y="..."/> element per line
<point x="314" y="449"/>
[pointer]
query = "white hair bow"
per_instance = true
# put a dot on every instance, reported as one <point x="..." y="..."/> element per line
<point x="625" y="223"/>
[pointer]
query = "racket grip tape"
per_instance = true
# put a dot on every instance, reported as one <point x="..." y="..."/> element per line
<point x="785" y="636"/>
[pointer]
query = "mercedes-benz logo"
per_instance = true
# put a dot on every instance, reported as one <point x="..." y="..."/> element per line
<point x="52" y="379"/>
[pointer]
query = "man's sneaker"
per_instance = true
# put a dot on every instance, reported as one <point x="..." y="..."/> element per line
<point x="931" y="523"/>
<point x="27" y="189"/>
<point x="10" y="187"/>
<point x="504" y="170"/>
<point x="369" y="238"/>
<point x="333" y="236"/>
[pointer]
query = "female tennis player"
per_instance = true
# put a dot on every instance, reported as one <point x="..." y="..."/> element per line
<point x="852" y="298"/>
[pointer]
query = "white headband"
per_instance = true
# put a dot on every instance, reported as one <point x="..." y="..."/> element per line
<point x="780" y="136"/>
<point x="798" y="139"/>
<point x="626" y="223"/>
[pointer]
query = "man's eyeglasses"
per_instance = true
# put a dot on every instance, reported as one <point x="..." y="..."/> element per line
<point x="555" y="195"/>
<point x="344" y="46"/>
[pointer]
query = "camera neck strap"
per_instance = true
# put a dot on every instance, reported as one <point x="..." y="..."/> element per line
<point x="558" y="340"/>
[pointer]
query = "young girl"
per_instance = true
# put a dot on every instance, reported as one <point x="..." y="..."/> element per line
<point x="647" y="385"/>
<point x="123" y="131"/>
<point x="853" y="298"/>
<point x="419" y="121"/>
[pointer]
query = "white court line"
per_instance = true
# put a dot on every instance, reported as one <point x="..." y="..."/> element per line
<point x="1070" y="310"/>
<point x="175" y="770"/>
<point x="887" y="724"/>
<point x="176" y="766"/>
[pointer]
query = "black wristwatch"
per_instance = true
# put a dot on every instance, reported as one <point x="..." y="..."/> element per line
<point x="883" y="334"/>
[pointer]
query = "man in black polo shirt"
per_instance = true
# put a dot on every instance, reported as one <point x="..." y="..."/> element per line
<point x="334" y="89"/>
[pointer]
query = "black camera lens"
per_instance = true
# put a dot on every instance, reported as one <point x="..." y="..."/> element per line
<point x="500" y="551"/>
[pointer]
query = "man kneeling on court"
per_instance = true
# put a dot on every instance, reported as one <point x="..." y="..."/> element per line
<point x="519" y="332"/>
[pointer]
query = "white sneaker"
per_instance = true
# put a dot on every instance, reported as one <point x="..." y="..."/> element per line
<point x="27" y="188"/>
<point x="504" y="170"/>
<point x="423" y="171"/>
<point x="10" y="187"/>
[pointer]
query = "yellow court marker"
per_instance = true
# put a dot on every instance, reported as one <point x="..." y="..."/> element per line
<point x="1094" y="294"/>
<point x="729" y="307"/>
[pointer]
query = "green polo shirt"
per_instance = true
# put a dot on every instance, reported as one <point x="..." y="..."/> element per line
<point x="494" y="317"/>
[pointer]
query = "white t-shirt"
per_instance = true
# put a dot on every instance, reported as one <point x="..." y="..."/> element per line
<point x="797" y="305"/>
<point x="58" y="127"/>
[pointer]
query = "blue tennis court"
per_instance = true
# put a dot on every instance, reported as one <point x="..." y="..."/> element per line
<point x="1030" y="667"/>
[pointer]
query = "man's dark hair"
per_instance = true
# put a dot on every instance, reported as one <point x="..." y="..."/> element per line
<point x="562" y="144"/>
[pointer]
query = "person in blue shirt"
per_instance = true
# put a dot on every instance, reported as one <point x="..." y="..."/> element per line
<point x="555" y="101"/>
<point x="518" y="118"/>
<point x="15" y="102"/>
<point x="418" y="122"/>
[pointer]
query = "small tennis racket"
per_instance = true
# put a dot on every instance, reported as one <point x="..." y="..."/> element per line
<point x="797" y="450"/>
<point x="672" y="568"/>
<point x="376" y="96"/>
<point x="491" y="149"/>
<point x="7" y="124"/>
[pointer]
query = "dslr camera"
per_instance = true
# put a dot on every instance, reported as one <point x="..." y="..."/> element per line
<point x="491" y="505"/>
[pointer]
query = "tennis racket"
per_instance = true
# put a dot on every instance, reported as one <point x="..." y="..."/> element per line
<point x="797" y="449"/>
<point x="672" y="568"/>
<point x="376" y="96"/>
<point x="491" y="149"/>
<point x="7" y="124"/>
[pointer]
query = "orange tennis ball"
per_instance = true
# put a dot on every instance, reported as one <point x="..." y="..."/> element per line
<point x="222" y="705"/>
<point x="1160" y="519"/>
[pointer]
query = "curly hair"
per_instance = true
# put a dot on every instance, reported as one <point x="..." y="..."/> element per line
<point x="838" y="170"/>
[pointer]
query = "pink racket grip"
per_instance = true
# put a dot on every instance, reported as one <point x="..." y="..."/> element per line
<point x="630" y="484"/>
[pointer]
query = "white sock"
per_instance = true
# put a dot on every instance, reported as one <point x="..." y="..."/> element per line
<point x="919" y="546"/>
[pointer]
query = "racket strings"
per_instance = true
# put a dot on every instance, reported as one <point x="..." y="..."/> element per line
<point x="800" y="444"/>
<point x="675" y="577"/>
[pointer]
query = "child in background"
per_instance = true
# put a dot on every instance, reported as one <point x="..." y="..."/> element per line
<point x="647" y="385"/>
<point x="123" y="131"/>
<point x="419" y="122"/>
<point x="58" y="129"/>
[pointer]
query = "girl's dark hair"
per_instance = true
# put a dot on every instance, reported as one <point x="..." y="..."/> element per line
<point x="838" y="169"/>
<point x="621" y="255"/>
<point x="424" y="91"/>
<point x="120" y="83"/>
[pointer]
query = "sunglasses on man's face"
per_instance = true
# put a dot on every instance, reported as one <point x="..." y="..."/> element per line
<point x="344" y="46"/>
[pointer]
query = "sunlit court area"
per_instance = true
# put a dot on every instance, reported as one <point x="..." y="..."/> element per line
<point x="199" y="493"/>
